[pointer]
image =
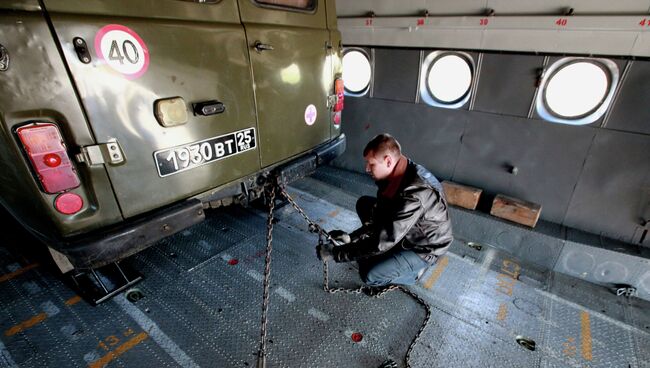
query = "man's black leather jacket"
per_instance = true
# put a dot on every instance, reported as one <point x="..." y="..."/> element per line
<point x="415" y="218"/>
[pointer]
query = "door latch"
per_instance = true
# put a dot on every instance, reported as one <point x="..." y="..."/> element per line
<point x="81" y="49"/>
<point x="104" y="153"/>
<point x="259" y="46"/>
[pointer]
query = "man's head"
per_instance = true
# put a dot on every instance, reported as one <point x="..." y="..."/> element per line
<point x="381" y="155"/>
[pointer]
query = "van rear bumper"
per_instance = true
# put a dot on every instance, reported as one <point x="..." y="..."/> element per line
<point x="132" y="236"/>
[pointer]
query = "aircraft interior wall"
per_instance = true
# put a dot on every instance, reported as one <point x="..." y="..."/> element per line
<point x="594" y="177"/>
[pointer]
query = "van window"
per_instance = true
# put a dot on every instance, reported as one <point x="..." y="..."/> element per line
<point x="356" y="72"/>
<point x="446" y="79"/>
<point x="577" y="91"/>
<point x="293" y="4"/>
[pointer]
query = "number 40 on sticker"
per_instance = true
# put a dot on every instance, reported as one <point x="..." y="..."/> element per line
<point x="129" y="52"/>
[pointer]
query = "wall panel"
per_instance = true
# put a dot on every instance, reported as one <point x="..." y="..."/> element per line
<point x="548" y="158"/>
<point x="635" y="92"/>
<point x="396" y="74"/>
<point x="611" y="195"/>
<point x="507" y="83"/>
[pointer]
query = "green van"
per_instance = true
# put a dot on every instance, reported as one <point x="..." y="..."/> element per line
<point x="121" y="120"/>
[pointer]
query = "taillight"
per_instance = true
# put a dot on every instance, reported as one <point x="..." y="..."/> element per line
<point x="339" y="90"/>
<point x="68" y="203"/>
<point x="340" y="94"/>
<point x="44" y="145"/>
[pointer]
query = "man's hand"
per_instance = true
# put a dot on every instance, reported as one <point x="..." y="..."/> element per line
<point x="340" y="237"/>
<point x="324" y="252"/>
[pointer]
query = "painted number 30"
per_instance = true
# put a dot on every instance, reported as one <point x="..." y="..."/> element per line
<point x="129" y="52"/>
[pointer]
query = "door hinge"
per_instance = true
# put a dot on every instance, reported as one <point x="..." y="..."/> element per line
<point x="331" y="101"/>
<point x="104" y="153"/>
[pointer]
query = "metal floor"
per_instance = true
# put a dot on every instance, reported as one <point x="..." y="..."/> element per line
<point x="203" y="290"/>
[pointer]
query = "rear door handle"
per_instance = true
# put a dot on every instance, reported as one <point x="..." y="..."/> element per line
<point x="259" y="46"/>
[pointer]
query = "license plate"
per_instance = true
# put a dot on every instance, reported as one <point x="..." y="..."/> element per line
<point x="181" y="158"/>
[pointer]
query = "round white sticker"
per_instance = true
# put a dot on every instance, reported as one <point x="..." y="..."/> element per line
<point x="310" y="114"/>
<point x="123" y="50"/>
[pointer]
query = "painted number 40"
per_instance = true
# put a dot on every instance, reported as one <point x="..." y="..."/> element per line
<point x="129" y="52"/>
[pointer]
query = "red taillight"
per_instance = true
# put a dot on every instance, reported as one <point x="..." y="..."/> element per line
<point x="68" y="203"/>
<point x="340" y="94"/>
<point x="52" y="160"/>
<point x="44" y="146"/>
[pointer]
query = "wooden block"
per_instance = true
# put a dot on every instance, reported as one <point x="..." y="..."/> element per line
<point x="461" y="195"/>
<point x="516" y="210"/>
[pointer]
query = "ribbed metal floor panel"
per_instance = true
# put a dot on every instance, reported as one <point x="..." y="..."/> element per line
<point x="203" y="294"/>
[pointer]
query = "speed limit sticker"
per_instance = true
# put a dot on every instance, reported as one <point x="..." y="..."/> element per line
<point x="123" y="50"/>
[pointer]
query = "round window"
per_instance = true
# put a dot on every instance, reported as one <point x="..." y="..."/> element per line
<point x="449" y="79"/>
<point x="356" y="72"/>
<point x="577" y="90"/>
<point x="446" y="79"/>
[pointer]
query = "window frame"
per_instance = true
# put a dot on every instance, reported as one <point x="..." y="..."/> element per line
<point x="611" y="73"/>
<point x="368" y="56"/>
<point x="427" y="95"/>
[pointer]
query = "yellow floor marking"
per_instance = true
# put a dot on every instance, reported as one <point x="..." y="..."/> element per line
<point x="436" y="273"/>
<point x="72" y="301"/>
<point x="26" y="324"/>
<point x="101" y="362"/>
<point x="37" y="318"/>
<point x="19" y="272"/>
<point x="585" y="332"/>
<point x="503" y="312"/>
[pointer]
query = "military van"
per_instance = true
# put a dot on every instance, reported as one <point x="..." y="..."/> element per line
<point x="121" y="120"/>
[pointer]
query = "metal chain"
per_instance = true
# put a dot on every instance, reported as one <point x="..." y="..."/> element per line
<point x="261" y="354"/>
<point x="373" y="292"/>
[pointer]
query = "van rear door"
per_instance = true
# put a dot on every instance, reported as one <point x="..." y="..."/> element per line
<point x="288" y="42"/>
<point x="141" y="52"/>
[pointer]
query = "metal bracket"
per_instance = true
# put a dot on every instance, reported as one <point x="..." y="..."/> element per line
<point x="4" y="59"/>
<point x="627" y="291"/>
<point x="105" y="153"/>
<point x="100" y="284"/>
<point x="331" y="101"/>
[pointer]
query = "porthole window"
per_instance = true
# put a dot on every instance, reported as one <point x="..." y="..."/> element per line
<point x="446" y="79"/>
<point x="356" y="72"/>
<point x="577" y="91"/>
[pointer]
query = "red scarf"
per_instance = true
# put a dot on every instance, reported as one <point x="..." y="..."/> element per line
<point x="395" y="178"/>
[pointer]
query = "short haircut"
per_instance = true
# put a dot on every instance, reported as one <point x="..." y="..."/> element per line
<point x="381" y="144"/>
